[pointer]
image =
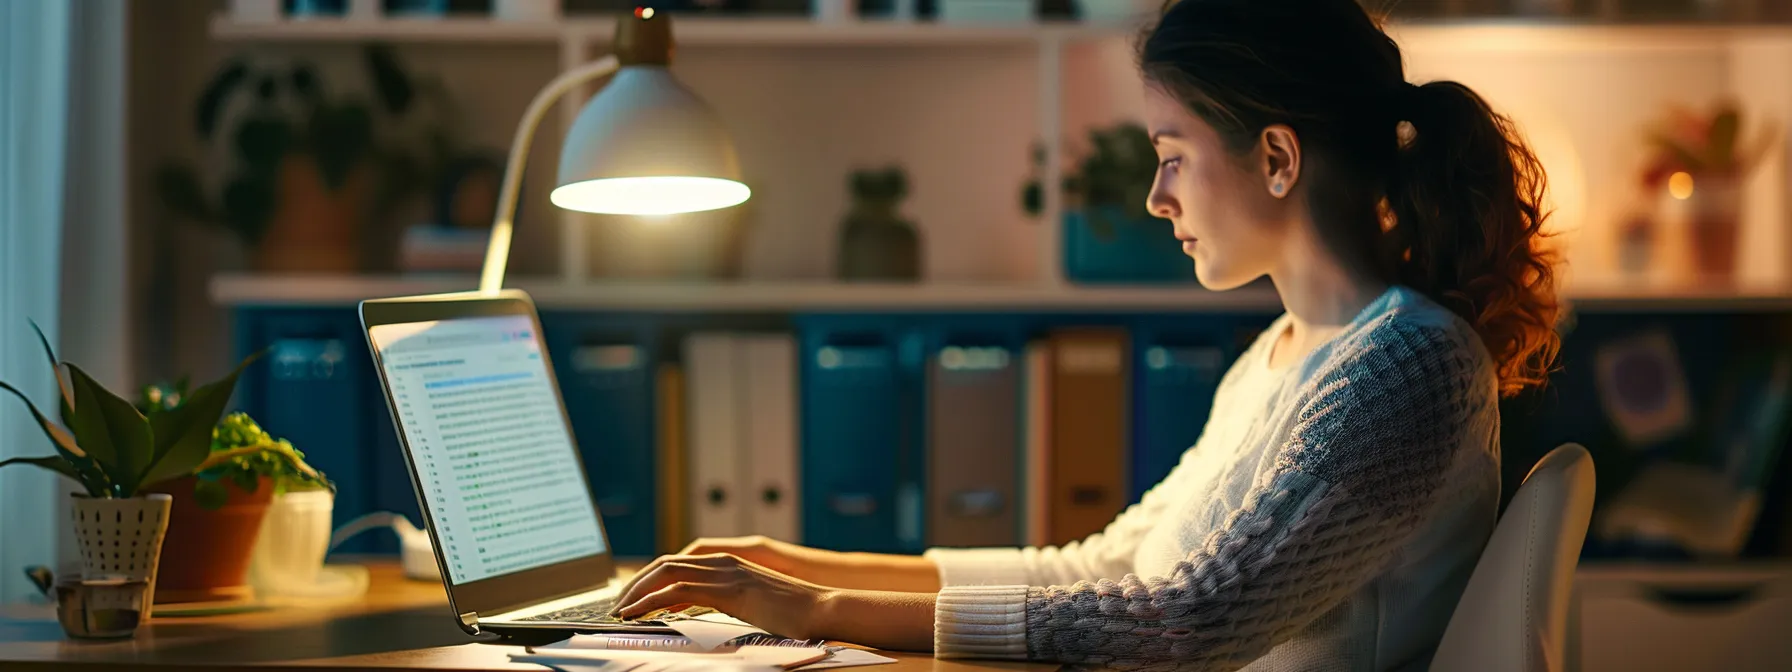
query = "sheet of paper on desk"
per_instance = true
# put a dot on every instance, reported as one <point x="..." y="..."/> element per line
<point x="844" y="657"/>
<point x="757" y="658"/>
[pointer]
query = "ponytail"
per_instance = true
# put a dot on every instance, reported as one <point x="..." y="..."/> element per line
<point x="1466" y="196"/>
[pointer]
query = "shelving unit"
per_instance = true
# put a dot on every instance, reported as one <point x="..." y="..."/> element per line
<point x="701" y="31"/>
<point x="823" y="296"/>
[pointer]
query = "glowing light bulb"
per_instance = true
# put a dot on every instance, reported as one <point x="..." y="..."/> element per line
<point x="1680" y="185"/>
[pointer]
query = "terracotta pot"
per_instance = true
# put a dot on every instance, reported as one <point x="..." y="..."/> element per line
<point x="206" y="555"/>
<point x="1709" y="222"/>
<point x="121" y="538"/>
<point x="314" y="229"/>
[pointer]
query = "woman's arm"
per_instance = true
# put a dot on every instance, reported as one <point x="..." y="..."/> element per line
<point x="866" y="571"/>
<point x="1373" y="454"/>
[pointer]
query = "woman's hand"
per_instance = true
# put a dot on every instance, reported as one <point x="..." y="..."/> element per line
<point x="727" y="583"/>
<point x="782" y="605"/>
<point x="870" y="571"/>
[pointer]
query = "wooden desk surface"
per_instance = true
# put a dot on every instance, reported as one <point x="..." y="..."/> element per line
<point x="398" y="624"/>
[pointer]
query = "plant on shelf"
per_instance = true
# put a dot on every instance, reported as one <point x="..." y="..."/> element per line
<point x="1695" y="173"/>
<point x="297" y="172"/>
<point x="876" y="243"/>
<point x="119" y="456"/>
<point x="1110" y="183"/>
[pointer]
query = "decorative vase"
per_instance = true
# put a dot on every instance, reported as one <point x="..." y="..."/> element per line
<point x="1708" y="218"/>
<point x="876" y="243"/>
<point x="121" y="538"/>
<point x="208" y="550"/>
<point x="1102" y="244"/>
<point x="294" y="537"/>
<point x="314" y="229"/>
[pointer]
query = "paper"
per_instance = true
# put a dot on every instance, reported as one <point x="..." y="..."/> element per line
<point x="712" y="630"/>
<point x="771" y="658"/>
<point x="844" y="657"/>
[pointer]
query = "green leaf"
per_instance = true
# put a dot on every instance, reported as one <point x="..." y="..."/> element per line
<point x="209" y="494"/>
<point x="112" y="431"/>
<point x="92" y="478"/>
<point x="247" y="480"/>
<point x="340" y="137"/>
<point x="210" y="107"/>
<point x="50" y="462"/>
<point x="68" y="395"/>
<point x="389" y="79"/>
<point x="183" y="435"/>
<point x="249" y="205"/>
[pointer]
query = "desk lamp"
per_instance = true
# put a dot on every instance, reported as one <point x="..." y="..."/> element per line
<point x="644" y="145"/>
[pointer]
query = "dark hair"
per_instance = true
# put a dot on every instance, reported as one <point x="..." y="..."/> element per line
<point x="1426" y="183"/>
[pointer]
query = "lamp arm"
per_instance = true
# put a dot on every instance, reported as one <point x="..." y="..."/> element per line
<point x="497" y="251"/>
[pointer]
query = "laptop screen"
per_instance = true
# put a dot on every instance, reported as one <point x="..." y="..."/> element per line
<point x="499" y="471"/>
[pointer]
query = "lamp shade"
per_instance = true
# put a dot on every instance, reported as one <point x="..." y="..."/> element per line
<point x="646" y="145"/>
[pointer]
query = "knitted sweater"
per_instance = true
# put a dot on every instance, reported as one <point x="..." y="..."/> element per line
<point x="1328" y="518"/>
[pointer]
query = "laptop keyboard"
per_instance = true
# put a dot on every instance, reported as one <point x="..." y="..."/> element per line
<point x="596" y="612"/>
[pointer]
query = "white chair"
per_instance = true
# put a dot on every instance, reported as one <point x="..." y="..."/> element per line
<point x="1513" y="617"/>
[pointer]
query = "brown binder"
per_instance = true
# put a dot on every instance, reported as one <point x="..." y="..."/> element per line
<point x="1090" y="429"/>
<point x="674" y="524"/>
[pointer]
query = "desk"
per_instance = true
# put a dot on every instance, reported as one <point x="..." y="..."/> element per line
<point x="398" y="624"/>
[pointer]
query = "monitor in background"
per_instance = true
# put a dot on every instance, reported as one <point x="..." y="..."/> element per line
<point x="498" y="471"/>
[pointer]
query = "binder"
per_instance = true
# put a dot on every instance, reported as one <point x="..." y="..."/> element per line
<point x="768" y="413"/>
<point x="861" y="460"/>
<point x="310" y="390"/>
<point x="606" y="376"/>
<point x="1180" y="370"/>
<point x="1089" y="429"/>
<point x="673" y="531"/>
<point x="1036" y="461"/>
<point x="714" y="376"/>
<point x="974" y="414"/>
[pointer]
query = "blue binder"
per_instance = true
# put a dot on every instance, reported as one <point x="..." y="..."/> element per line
<point x="1180" y="361"/>
<point x="863" y="460"/>
<point x="311" y="388"/>
<point x="605" y="366"/>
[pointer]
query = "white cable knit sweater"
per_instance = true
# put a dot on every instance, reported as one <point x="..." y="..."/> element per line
<point x="1327" y="519"/>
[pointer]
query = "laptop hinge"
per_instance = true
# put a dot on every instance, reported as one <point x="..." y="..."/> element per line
<point x="470" y="620"/>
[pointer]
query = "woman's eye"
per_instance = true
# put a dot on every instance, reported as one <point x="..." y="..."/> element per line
<point x="1170" y="162"/>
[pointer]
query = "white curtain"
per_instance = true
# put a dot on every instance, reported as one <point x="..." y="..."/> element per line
<point x="34" y="75"/>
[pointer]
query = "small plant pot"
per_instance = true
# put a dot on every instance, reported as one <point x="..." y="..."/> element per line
<point x="121" y="538"/>
<point x="1114" y="249"/>
<point x="206" y="556"/>
<point x="295" y="535"/>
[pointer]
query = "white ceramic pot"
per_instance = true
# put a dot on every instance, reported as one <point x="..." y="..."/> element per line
<point x="526" y="10"/>
<point x="295" y="535"/>
<point x="121" y="538"/>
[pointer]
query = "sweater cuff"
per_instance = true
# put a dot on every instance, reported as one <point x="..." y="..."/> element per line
<point x="981" y="622"/>
<point x="979" y="566"/>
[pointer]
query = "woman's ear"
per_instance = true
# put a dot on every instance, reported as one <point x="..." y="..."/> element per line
<point x="1281" y="159"/>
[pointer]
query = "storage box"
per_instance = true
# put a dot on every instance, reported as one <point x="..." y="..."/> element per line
<point x="985" y="11"/>
<point x="1112" y="248"/>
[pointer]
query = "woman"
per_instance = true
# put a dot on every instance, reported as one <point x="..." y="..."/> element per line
<point x="1335" y="505"/>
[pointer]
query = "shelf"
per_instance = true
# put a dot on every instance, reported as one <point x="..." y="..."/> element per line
<point x="1465" y="35"/>
<point x="688" y="30"/>
<point x="798" y="296"/>
<point x="794" y="296"/>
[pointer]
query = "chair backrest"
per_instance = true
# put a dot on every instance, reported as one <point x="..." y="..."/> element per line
<point x="1514" y="614"/>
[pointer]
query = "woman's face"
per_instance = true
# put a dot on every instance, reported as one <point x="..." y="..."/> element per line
<point x="1221" y="205"/>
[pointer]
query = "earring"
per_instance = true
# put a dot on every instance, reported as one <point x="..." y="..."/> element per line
<point x="1277" y="188"/>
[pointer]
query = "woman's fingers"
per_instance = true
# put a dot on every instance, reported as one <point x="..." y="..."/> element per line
<point x="673" y="569"/>
<point x="679" y="594"/>
<point x="653" y="567"/>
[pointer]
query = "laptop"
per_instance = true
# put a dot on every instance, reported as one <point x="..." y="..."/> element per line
<point x="486" y="438"/>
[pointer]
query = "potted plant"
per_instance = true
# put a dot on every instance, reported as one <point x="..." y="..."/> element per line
<point x="307" y="180"/>
<point x="119" y="456"/>
<point x="1109" y="235"/>
<point x="1695" y="177"/>
<point x="876" y="243"/>
<point x="220" y="508"/>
